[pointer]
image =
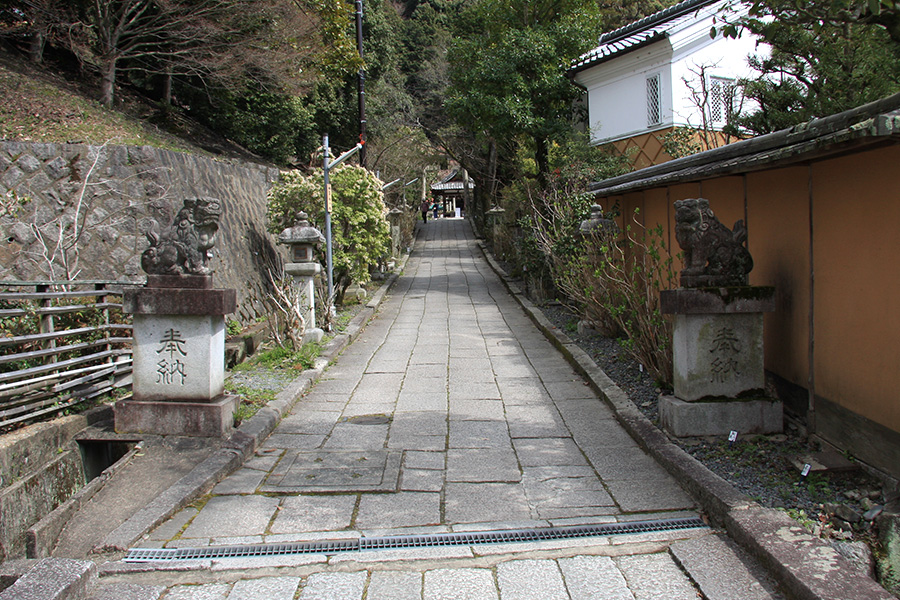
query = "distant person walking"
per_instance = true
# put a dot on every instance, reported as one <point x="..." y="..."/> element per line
<point x="425" y="206"/>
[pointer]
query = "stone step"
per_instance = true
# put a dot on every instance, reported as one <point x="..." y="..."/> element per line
<point x="54" y="579"/>
<point x="722" y="570"/>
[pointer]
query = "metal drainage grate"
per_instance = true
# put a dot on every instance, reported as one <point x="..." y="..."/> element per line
<point x="410" y="541"/>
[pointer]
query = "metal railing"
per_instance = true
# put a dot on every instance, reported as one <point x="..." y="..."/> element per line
<point x="62" y="343"/>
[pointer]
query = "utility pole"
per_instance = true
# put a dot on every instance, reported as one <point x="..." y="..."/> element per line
<point x="362" y="83"/>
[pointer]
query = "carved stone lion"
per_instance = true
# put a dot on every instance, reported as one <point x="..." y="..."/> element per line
<point x="714" y="256"/>
<point x="184" y="248"/>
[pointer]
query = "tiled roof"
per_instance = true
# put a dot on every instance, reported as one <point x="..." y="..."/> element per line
<point x="448" y="183"/>
<point x="637" y="34"/>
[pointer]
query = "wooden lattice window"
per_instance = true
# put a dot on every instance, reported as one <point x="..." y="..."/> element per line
<point x="721" y="99"/>
<point x="654" y="100"/>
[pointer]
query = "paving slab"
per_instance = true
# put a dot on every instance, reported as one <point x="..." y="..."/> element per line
<point x="280" y="440"/>
<point x="334" y="586"/>
<point x="209" y="591"/>
<point x="594" y="577"/>
<point x="243" y="481"/>
<point x="314" y="513"/>
<point x="544" y="452"/>
<point x="485" y="502"/>
<point x="655" y="576"/>
<point x="484" y="465"/>
<point x="232" y="516"/>
<point x="414" y="459"/>
<point x="473" y="409"/>
<point x="269" y="588"/>
<point x="535" y="422"/>
<point x="479" y="434"/>
<point x="421" y="480"/>
<point x="459" y="584"/>
<point x="394" y="585"/>
<point x="403" y="509"/>
<point x="648" y="494"/>
<point x="328" y="470"/>
<point x="708" y="557"/>
<point x="128" y="591"/>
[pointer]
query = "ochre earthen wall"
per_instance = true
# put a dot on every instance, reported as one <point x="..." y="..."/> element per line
<point x="824" y="235"/>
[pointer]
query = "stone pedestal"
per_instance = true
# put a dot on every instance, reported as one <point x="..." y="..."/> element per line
<point x="718" y="360"/>
<point x="719" y="417"/>
<point x="179" y="358"/>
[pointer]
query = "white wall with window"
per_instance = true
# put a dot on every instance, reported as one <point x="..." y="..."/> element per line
<point x="653" y="85"/>
<point x="617" y="98"/>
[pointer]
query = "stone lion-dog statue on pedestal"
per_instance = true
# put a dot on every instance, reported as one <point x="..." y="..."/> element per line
<point x="714" y="256"/>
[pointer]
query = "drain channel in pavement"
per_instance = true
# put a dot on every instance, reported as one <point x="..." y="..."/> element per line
<point x="410" y="541"/>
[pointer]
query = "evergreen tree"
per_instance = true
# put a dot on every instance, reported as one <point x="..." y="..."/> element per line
<point x="827" y="56"/>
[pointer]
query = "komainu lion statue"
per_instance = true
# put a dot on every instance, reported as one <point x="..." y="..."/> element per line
<point x="184" y="248"/>
<point x="714" y="256"/>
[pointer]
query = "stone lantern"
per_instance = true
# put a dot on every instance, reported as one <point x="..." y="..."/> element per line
<point x="598" y="224"/>
<point x="301" y="240"/>
<point x="494" y="222"/>
<point x="394" y="216"/>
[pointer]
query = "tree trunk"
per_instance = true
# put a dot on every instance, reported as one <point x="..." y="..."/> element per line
<point x="108" y="82"/>
<point x="36" y="47"/>
<point x="167" y="88"/>
<point x="490" y="192"/>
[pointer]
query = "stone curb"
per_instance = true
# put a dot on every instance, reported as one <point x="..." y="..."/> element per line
<point x="243" y="442"/>
<point x="806" y="566"/>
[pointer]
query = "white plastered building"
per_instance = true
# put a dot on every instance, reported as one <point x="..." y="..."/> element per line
<point x="662" y="72"/>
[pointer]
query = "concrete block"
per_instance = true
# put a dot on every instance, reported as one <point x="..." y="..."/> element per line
<point x="202" y="419"/>
<point x="11" y="570"/>
<point x="682" y="419"/>
<point x="32" y="497"/>
<point x="54" y="579"/>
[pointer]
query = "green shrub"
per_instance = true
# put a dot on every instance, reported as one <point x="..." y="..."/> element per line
<point x="359" y="229"/>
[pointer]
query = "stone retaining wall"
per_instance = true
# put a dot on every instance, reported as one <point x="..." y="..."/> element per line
<point x="113" y="191"/>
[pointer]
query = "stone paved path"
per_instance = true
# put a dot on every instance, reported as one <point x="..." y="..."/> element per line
<point x="450" y="412"/>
